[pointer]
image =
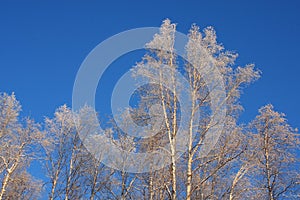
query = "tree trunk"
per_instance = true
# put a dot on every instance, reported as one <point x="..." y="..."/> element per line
<point x="4" y="184"/>
<point x="151" y="192"/>
<point x="267" y="166"/>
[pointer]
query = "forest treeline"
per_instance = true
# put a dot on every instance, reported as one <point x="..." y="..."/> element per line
<point x="257" y="160"/>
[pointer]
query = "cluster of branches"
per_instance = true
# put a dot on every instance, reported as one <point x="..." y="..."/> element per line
<point x="259" y="160"/>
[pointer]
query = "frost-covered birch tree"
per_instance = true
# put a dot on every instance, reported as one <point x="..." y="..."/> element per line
<point x="277" y="164"/>
<point x="17" y="142"/>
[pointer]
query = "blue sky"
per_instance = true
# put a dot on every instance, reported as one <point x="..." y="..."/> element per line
<point x="43" y="43"/>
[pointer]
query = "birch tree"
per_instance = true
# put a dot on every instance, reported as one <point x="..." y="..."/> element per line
<point x="64" y="155"/>
<point x="17" y="141"/>
<point x="277" y="162"/>
<point x="162" y="52"/>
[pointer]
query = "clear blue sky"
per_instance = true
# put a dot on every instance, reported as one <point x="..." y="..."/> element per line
<point x="43" y="43"/>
